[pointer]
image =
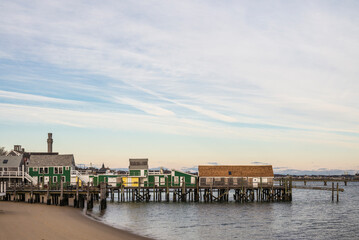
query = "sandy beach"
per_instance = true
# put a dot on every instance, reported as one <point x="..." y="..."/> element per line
<point x="37" y="221"/>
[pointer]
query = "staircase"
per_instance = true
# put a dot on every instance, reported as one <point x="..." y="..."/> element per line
<point x="30" y="179"/>
<point x="84" y="178"/>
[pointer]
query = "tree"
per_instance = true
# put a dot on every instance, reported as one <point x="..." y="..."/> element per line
<point x="2" y="151"/>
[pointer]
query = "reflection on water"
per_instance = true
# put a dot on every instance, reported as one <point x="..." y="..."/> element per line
<point x="311" y="215"/>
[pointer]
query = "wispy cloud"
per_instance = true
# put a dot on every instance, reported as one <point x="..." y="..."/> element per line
<point x="147" y="108"/>
<point x="35" y="98"/>
<point x="260" y="163"/>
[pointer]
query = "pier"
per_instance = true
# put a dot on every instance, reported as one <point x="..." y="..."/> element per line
<point x="85" y="196"/>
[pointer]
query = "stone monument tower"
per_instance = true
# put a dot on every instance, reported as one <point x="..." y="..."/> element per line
<point x="49" y="143"/>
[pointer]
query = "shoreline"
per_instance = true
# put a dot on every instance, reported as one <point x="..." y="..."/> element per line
<point x="21" y="220"/>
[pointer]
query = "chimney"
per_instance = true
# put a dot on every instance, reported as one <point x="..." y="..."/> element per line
<point x="49" y="143"/>
<point x="17" y="148"/>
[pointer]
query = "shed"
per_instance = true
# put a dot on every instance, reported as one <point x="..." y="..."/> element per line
<point x="138" y="167"/>
<point x="235" y="175"/>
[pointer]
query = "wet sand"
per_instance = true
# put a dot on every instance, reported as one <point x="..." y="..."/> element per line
<point x="38" y="221"/>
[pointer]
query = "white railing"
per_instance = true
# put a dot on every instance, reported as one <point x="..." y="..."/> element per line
<point x="11" y="173"/>
<point x="18" y="174"/>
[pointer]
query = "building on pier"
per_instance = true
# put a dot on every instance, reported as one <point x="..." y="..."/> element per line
<point x="235" y="175"/>
<point x="52" y="168"/>
<point x="12" y="169"/>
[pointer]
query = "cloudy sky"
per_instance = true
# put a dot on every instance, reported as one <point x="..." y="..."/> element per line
<point x="183" y="82"/>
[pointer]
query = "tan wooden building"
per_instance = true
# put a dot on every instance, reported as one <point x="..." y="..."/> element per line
<point x="235" y="175"/>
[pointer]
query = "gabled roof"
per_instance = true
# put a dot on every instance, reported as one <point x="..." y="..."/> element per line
<point x="12" y="161"/>
<point x="51" y="160"/>
<point x="235" y="171"/>
<point x="14" y="153"/>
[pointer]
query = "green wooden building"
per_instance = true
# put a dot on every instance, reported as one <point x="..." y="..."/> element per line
<point x="51" y="168"/>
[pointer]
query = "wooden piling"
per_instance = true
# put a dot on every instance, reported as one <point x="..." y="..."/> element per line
<point x="103" y="192"/>
<point x="184" y="195"/>
<point x="76" y="202"/>
<point x="48" y="200"/>
<point x="62" y="193"/>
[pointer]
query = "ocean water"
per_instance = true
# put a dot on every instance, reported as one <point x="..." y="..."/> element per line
<point x="311" y="215"/>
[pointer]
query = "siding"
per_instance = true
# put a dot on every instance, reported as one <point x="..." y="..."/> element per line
<point x="51" y="173"/>
<point x="235" y="171"/>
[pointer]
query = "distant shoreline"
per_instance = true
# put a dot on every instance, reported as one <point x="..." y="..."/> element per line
<point x="48" y="222"/>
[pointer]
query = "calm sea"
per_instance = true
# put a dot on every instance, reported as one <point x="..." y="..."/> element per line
<point x="311" y="215"/>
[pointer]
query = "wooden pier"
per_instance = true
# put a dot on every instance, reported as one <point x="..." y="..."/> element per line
<point x="85" y="196"/>
<point x="324" y="180"/>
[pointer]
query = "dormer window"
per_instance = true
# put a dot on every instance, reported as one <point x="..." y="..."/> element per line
<point x="5" y="161"/>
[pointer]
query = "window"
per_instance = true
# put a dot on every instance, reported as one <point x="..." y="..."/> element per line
<point x="41" y="170"/>
<point x="54" y="179"/>
<point x="229" y="173"/>
<point x="63" y="178"/>
<point x="67" y="168"/>
<point x="163" y="181"/>
<point x="34" y="169"/>
<point x="193" y="180"/>
<point x="46" y="170"/>
<point x="41" y="179"/>
<point x="5" y="169"/>
<point x="60" y="170"/>
<point x="5" y="161"/>
<point x="0" y="168"/>
<point x="176" y="180"/>
<point x="56" y="169"/>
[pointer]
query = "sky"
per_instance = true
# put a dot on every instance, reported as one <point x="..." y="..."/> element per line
<point x="184" y="83"/>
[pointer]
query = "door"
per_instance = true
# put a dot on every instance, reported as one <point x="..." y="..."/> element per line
<point x="182" y="181"/>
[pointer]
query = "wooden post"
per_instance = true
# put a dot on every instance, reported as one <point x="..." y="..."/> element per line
<point x="62" y="194"/>
<point x="103" y="191"/>
<point x="76" y="203"/>
<point x="290" y="188"/>
<point x="261" y="191"/>
<point x="122" y="193"/>
<point x="88" y="198"/>
<point x="197" y="190"/>
<point x="31" y="194"/>
<point x="332" y="191"/>
<point x="112" y="195"/>
<point x="167" y="191"/>
<point x="285" y="189"/>
<point x="48" y="194"/>
<point x="337" y="192"/>
<point x="174" y="195"/>
<point x="184" y="195"/>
